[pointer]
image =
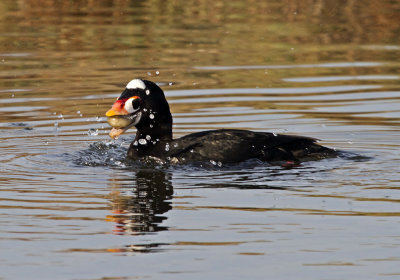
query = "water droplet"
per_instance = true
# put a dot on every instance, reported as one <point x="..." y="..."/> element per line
<point x="93" y="132"/>
<point x="147" y="92"/>
<point x="151" y="126"/>
<point x="167" y="147"/>
<point x="78" y="112"/>
<point x="13" y="95"/>
<point x="148" y="74"/>
<point x="60" y="116"/>
<point x="170" y="84"/>
<point x="98" y="119"/>
<point x="142" y="141"/>
<point x="176" y="145"/>
<point x="157" y="73"/>
<point x="144" y="110"/>
<point x="191" y="150"/>
<point x="213" y="162"/>
<point x="219" y="163"/>
<point x="148" y="137"/>
<point x="151" y="116"/>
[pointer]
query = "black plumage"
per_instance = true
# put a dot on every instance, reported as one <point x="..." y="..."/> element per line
<point x="154" y="138"/>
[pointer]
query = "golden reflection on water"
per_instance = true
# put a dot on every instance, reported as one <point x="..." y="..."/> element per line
<point x="87" y="39"/>
<point x="73" y="49"/>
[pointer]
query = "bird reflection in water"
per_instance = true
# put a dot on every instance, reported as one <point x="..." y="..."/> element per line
<point x="138" y="209"/>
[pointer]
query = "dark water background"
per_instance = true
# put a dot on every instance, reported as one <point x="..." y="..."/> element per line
<point x="73" y="207"/>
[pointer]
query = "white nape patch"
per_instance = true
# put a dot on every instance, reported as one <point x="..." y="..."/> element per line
<point x="136" y="83"/>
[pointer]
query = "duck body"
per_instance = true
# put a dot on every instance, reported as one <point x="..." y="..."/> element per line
<point x="143" y="104"/>
<point x="230" y="146"/>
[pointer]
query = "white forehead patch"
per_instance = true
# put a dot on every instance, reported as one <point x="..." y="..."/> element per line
<point x="136" y="83"/>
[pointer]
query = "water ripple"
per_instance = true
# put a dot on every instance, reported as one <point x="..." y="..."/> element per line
<point x="318" y="65"/>
<point x="341" y="78"/>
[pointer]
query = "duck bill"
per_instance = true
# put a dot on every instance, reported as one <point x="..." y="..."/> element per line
<point x="116" y="132"/>
<point x="121" y="122"/>
<point x="112" y="113"/>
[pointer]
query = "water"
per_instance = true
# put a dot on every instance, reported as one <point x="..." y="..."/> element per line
<point x="74" y="207"/>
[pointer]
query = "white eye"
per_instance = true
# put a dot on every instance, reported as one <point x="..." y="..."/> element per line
<point x="132" y="104"/>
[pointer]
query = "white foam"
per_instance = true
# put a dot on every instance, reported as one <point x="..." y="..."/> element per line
<point x="136" y="83"/>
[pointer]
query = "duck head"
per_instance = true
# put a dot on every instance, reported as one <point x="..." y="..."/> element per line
<point x="142" y="104"/>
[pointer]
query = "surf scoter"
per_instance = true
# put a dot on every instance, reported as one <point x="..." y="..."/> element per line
<point x="143" y="105"/>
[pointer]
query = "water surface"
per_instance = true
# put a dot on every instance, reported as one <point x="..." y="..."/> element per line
<point x="72" y="206"/>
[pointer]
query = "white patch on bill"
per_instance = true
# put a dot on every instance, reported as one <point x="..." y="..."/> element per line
<point x="136" y="83"/>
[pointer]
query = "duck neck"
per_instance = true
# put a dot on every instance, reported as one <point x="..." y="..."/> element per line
<point x="155" y="132"/>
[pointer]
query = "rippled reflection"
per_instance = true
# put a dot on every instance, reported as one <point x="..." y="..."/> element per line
<point x="140" y="207"/>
